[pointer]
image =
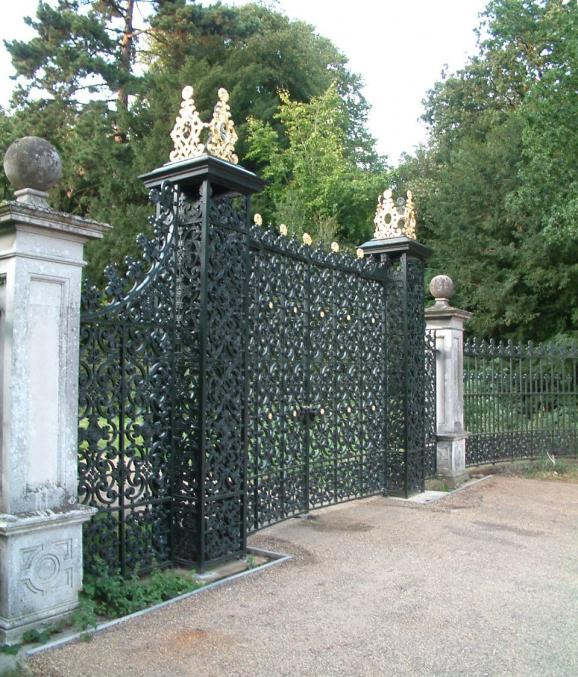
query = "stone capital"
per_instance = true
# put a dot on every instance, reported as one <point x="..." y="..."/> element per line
<point x="50" y="223"/>
<point x="441" y="316"/>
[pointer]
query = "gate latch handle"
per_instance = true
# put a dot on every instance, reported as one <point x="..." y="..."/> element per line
<point x="311" y="412"/>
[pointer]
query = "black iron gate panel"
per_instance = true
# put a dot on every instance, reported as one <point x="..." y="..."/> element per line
<point x="234" y="378"/>
<point x="317" y="345"/>
<point x="132" y="367"/>
<point x="222" y="414"/>
<point x="430" y="461"/>
<point x="163" y="392"/>
<point x="409" y="419"/>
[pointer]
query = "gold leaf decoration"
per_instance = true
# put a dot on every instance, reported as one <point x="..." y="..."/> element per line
<point x="222" y="134"/>
<point x="395" y="219"/>
<point x="186" y="133"/>
<point x="335" y="247"/>
<point x="307" y="239"/>
<point x="258" y="220"/>
<point x="283" y="230"/>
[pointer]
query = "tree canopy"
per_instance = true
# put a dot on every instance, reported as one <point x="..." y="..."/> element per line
<point x="497" y="182"/>
<point x="314" y="184"/>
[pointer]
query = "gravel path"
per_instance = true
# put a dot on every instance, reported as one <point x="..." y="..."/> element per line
<point x="483" y="582"/>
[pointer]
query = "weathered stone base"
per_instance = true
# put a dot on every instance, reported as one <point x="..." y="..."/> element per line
<point x="40" y="568"/>
<point x="451" y="459"/>
<point x="452" y="482"/>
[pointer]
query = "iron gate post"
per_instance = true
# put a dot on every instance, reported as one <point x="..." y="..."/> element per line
<point x="404" y="259"/>
<point x="219" y="506"/>
<point x="448" y="325"/>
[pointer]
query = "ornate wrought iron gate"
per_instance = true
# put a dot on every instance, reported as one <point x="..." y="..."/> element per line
<point x="236" y="378"/>
<point x="317" y="365"/>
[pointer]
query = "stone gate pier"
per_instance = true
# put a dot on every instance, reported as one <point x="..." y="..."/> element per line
<point x="448" y="325"/>
<point x="41" y="259"/>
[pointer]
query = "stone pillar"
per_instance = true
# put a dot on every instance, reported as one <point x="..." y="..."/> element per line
<point x="40" y="276"/>
<point x="448" y="325"/>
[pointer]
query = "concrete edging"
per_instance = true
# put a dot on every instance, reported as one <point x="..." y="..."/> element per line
<point x="276" y="558"/>
<point x="422" y="499"/>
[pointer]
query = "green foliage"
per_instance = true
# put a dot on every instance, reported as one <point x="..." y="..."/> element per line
<point x="70" y="47"/>
<point x="496" y="185"/>
<point x="256" y="53"/>
<point x="85" y="615"/>
<point x="314" y="184"/>
<point x="10" y="649"/>
<point x="550" y="468"/>
<point x="110" y="595"/>
<point x="17" y="671"/>
<point x="40" y="635"/>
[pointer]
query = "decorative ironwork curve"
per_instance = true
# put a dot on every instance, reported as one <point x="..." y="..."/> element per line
<point x="186" y="133"/>
<point x="395" y="219"/>
<point x="133" y="361"/>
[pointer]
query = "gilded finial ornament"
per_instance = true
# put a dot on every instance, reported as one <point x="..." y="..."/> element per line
<point x="335" y="247"/>
<point x="222" y="134"/>
<point x="395" y="219"/>
<point x="186" y="134"/>
<point x="283" y="230"/>
<point x="258" y="220"/>
<point x="189" y="127"/>
<point x="360" y="253"/>
<point x="307" y="239"/>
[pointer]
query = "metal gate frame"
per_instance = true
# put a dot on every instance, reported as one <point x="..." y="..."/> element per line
<point x="164" y="404"/>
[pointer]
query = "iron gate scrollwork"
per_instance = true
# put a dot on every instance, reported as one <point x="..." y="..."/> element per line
<point x="410" y="377"/>
<point x="430" y="422"/>
<point x="131" y="373"/>
<point x="317" y="346"/>
<point x="236" y="378"/>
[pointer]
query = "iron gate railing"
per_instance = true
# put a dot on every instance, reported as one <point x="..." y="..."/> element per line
<point x="520" y="400"/>
<point x="137" y="390"/>
<point x="317" y="365"/>
<point x="430" y="422"/>
<point x="235" y="378"/>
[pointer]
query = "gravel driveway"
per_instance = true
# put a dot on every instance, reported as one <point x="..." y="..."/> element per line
<point x="482" y="582"/>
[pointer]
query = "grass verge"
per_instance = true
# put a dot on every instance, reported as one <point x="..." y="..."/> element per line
<point x="551" y="468"/>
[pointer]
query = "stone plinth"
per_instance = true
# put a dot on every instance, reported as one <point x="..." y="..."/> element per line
<point x="41" y="259"/>
<point x="40" y="565"/>
<point x="448" y="325"/>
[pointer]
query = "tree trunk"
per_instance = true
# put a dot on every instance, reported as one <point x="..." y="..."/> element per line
<point x="125" y="61"/>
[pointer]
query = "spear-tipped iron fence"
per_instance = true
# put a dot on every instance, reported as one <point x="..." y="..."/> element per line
<point x="520" y="400"/>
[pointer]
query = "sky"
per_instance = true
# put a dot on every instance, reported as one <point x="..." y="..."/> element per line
<point x="399" y="47"/>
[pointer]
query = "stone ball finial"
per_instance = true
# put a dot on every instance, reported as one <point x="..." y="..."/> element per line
<point x="32" y="166"/>
<point x="442" y="289"/>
